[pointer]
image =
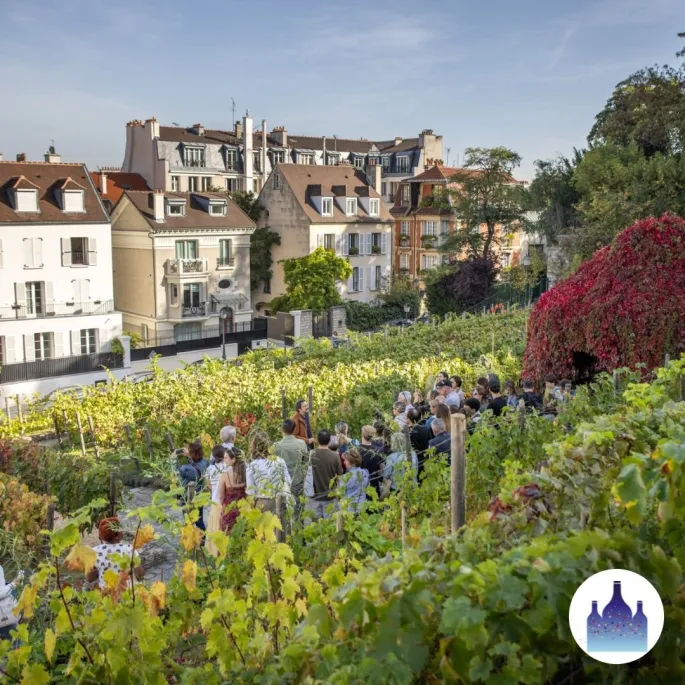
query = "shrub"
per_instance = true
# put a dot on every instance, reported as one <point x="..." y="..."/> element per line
<point x="623" y="307"/>
<point x="454" y="289"/>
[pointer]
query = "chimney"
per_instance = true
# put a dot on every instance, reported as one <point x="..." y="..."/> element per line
<point x="154" y="127"/>
<point x="51" y="157"/>
<point x="248" y="159"/>
<point x="158" y="205"/>
<point x="103" y="183"/>
<point x="374" y="173"/>
<point x="238" y="129"/>
<point x="21" y="157"/>
<point x="398" y="140"/>
<point x="199" y="129"/>
<point x="264" y="151"/>
<point x="280" y="135"/>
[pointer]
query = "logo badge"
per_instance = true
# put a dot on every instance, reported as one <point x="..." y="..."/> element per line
<point x="616" y="616"/>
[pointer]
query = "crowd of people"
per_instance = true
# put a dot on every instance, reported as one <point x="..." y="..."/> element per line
<point x="319" y="473"/>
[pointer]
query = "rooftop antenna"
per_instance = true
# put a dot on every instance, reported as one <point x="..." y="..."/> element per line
<point x="335" y="138"/>
<point x="447" y="163"/>
<point x="51" y="149"/>
<point x="233" y="107"/>
<point x="175" y="123"/>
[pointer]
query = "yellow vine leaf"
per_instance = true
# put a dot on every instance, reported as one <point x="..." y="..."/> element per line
<point x="80" y="558"/>
<point x="191" y="537"/>
<point x="111" y="579"/>
<point x="27" y="601"/>
<point x="144" y="535"/>
<point x="158" y="592"/>
<point x="50" y="642"/>
<point x="189" y="575"/>
<point x="220" y="540"/>
<point x="301" y="606"/>
<point x="34" y="675"/>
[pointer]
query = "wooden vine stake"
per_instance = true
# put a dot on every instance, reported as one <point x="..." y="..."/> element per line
<point x="57" y="430"/>
<point x="66" y="427"/>
<point x="7" y="410"/>
<point x="20" y="411"/>
<point x="339" y="522"/>
<point x="280" y="512"/>
<point x="458" y="472"/>
<point x="80" y="434"/>
<point x="148" y="442"/>
<point x="91" y="428"/>
<point x="284" y="407"/>
<point x="522" y="414"/>
<point x="170" y="442"/>
<point x="112" y="493"/>
<point x="403" y="518"/>
<point x="50" y="525"/>
<point x="617" y="382"/>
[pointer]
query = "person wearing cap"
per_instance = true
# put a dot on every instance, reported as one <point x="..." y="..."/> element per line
<point x="447" y="391"/>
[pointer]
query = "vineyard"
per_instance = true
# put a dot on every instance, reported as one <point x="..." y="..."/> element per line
<point x="354" y="599"/>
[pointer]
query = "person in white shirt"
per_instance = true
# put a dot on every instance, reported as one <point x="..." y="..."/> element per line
<point x="212" y="476"/>
<point x="227" y="437"/>
<point x="456" y="388"/>
<point x="451" y="397"/>
<point x="398" y="412"/>
<point x="267" y="475"/>
<point x="8" y="621"/>
<point x="406" y="399"/>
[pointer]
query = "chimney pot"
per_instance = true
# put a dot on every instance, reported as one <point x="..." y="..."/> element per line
<point x="398" y="140"/>
<point x="103" y="183"/>
<point x="239" y="129"/>
<point x="21" y="157"/>
<point x="158" y="205"/>
<point x="51" y="157"/>
<point x="1" y="157"/>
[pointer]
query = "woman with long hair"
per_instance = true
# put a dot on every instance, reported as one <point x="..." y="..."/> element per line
<point x="216" y="469"/>
<point x="267" y="475"/>
<point x="230" y="490"/>
<point x="420" y="404"/>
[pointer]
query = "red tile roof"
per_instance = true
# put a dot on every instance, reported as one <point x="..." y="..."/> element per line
<point x="118" y="182"/>
<point x="435" y="173"/>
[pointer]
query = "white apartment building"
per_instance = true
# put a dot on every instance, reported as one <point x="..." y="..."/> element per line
<point x="197" y="159"/>
<point x="56" y="293"/>
<point x="180" y="259"/>
<point x="333" y="207"/>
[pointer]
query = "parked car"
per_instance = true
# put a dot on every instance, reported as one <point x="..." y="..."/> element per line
<point x="47" y="401"/>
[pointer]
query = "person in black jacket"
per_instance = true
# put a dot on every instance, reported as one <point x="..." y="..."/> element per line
<point x="442" y="442"/>
<point x="372" y="459"/>
<point x="419" y="436"/>
<point x="530" y="398"/>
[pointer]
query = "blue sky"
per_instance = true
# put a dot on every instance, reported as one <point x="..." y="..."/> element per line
<point x="530" y="74"/>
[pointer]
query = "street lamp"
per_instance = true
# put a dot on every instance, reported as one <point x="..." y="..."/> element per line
<point x="223" y="315"/>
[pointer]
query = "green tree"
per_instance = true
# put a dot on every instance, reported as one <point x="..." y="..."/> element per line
<point x="452" y="289"/>
<point x="486" y="198"/>
<point x="647" y="110"/>
<point x="554" y="196"/>
<point x="311" y="281"/>
<point x="261" y="241"/>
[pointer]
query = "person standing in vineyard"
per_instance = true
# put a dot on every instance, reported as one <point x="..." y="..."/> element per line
<point x="398" y="412"/>
<point x="355" y="481"/>
<point x="498" y="400"/>
<point x="456" y="383"/>
<point x="441" y="443"/>
<point x="303" y="428"/>
<point x="111" y="536"/>
<point x="294" y="453"/>
<point x="266" y="477"/>
<point x="419" y="436"/>
<point x="232" y="488"/>
<point x="8" y="621"/>
<point x="227" y="437"/>
<point x="530" y="398"/>
<point x="213" y="475"/>
<point x="194" y="472"/>
<point x="372" y="460"/>
<point x="420" y="404"/>
<point x="322" y="477"/>
<point x="472" y="412"/>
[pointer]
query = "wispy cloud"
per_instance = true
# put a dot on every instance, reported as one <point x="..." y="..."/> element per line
<point x="558" y="52"/>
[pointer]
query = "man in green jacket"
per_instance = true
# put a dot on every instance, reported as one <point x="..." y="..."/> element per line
<point x="295" y="454"/>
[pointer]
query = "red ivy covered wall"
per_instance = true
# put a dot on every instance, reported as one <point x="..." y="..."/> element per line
<point x="623" y="307"/>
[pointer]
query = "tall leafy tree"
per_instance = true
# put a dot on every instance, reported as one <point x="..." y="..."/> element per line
<point x="485" y="199"/>
<point x="453" y="289"/>
<point x="311" y="281"/>
<point x="554" y="196"/>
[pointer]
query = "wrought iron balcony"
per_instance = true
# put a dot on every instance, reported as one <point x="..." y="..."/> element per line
<point x="194" y="311"/>
<point x="56" y="309"/>
<point x="225" y="262"/>
<point x="195" y="163"/>
<point x="197" y="265"/>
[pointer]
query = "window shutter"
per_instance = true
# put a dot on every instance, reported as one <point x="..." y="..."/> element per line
<point x="38" y="252"/>
<point x="76" y="342"/>
<point x="97" y="340"/>
<point x="9" y="350"/>
<point x="29" y="348"/>
<point x="319" y="240"/>
<point x="20" y="295"/>
<point x="361" y="280"/>
<point x="372" y="278"/>
<point x="58" y="345"/>
<point x="229" y="247"/>
<point x="369" y="243"/>
<point x="48" y="298"/>
<point x="384" y="243"/>
<point x="346" y="244"/>
<point x="28" y="252"/>
<point x="66" y="251"/>
<point x="338" y="245"/>
<point x="92" y="252"/>
<point x="350" y="282"/>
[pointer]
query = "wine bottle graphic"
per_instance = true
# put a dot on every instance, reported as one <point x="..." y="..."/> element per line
<point x="595" y="630"/>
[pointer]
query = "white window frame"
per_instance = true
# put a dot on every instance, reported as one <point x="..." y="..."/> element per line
<point x="350" y="246"/>
<point x="357" y="279"/>
<point x="386" y="163"/>
<point x="305" y="158"/>
<point x="231" y="159"/>
<point x="351" y="206"/>
<point x="205" y="183"/>
<point x="221" y="206"/>
<point x="406" y="190"/>
<point x="278" y="157"/>
<point x="192" y="184"/>
<point x="89" y="340"/>
<point x="35" y="298"/>
<point x="374" y="206"/>
<point x="257" y="161"/>
<point x="194" y="157"/>
<point x="26" y="205"/>
<point x="404" y="261"/>
<point x="175" y="184"/>
<point x="43" y="346"/>
<point x="358" y="161"/>
<point x="429" y="227"/>
<point x="232" y="185"/>
<point x="404" y="228"/>
<point x="330" y="239"/>
<point x="176" y="205"/>
<point x="225" y="251"/>
<point x="402" y="164"/>
<point x="326" y="206"/>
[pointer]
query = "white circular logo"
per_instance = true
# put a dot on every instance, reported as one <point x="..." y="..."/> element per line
<point x="616" y="616"/>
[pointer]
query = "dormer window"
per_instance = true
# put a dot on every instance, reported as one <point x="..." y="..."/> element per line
<point x="194" y="157"/>
<point x="73" y="200"/>
<point x="374" y="207"/>
<point x="176" y="207"/>
<point x="26" y="200"/>
<point x="351" y="206"/>
<point x="402" y="164"/>
<point x="327" y="206"/>
<point x="217" y="208"/>
<point x="358" y="161"/>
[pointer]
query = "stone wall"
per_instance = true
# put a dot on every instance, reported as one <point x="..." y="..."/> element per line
<point x="339" y="321"/>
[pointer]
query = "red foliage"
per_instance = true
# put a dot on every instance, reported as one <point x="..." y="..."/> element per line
<point x="624" y="306"/>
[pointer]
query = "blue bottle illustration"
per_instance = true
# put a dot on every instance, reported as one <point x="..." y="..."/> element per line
<point x="617" y="630"/>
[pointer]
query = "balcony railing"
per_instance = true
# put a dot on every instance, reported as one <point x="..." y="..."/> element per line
<point x="79" y="257"/>
<point x="405" y="240"/>
<point x="57" y="309"/>
<point x="225" y="262"/>
<point x="194" y="310"/>
<point x="195" y="163"/>
<point x="197" y="265"/>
